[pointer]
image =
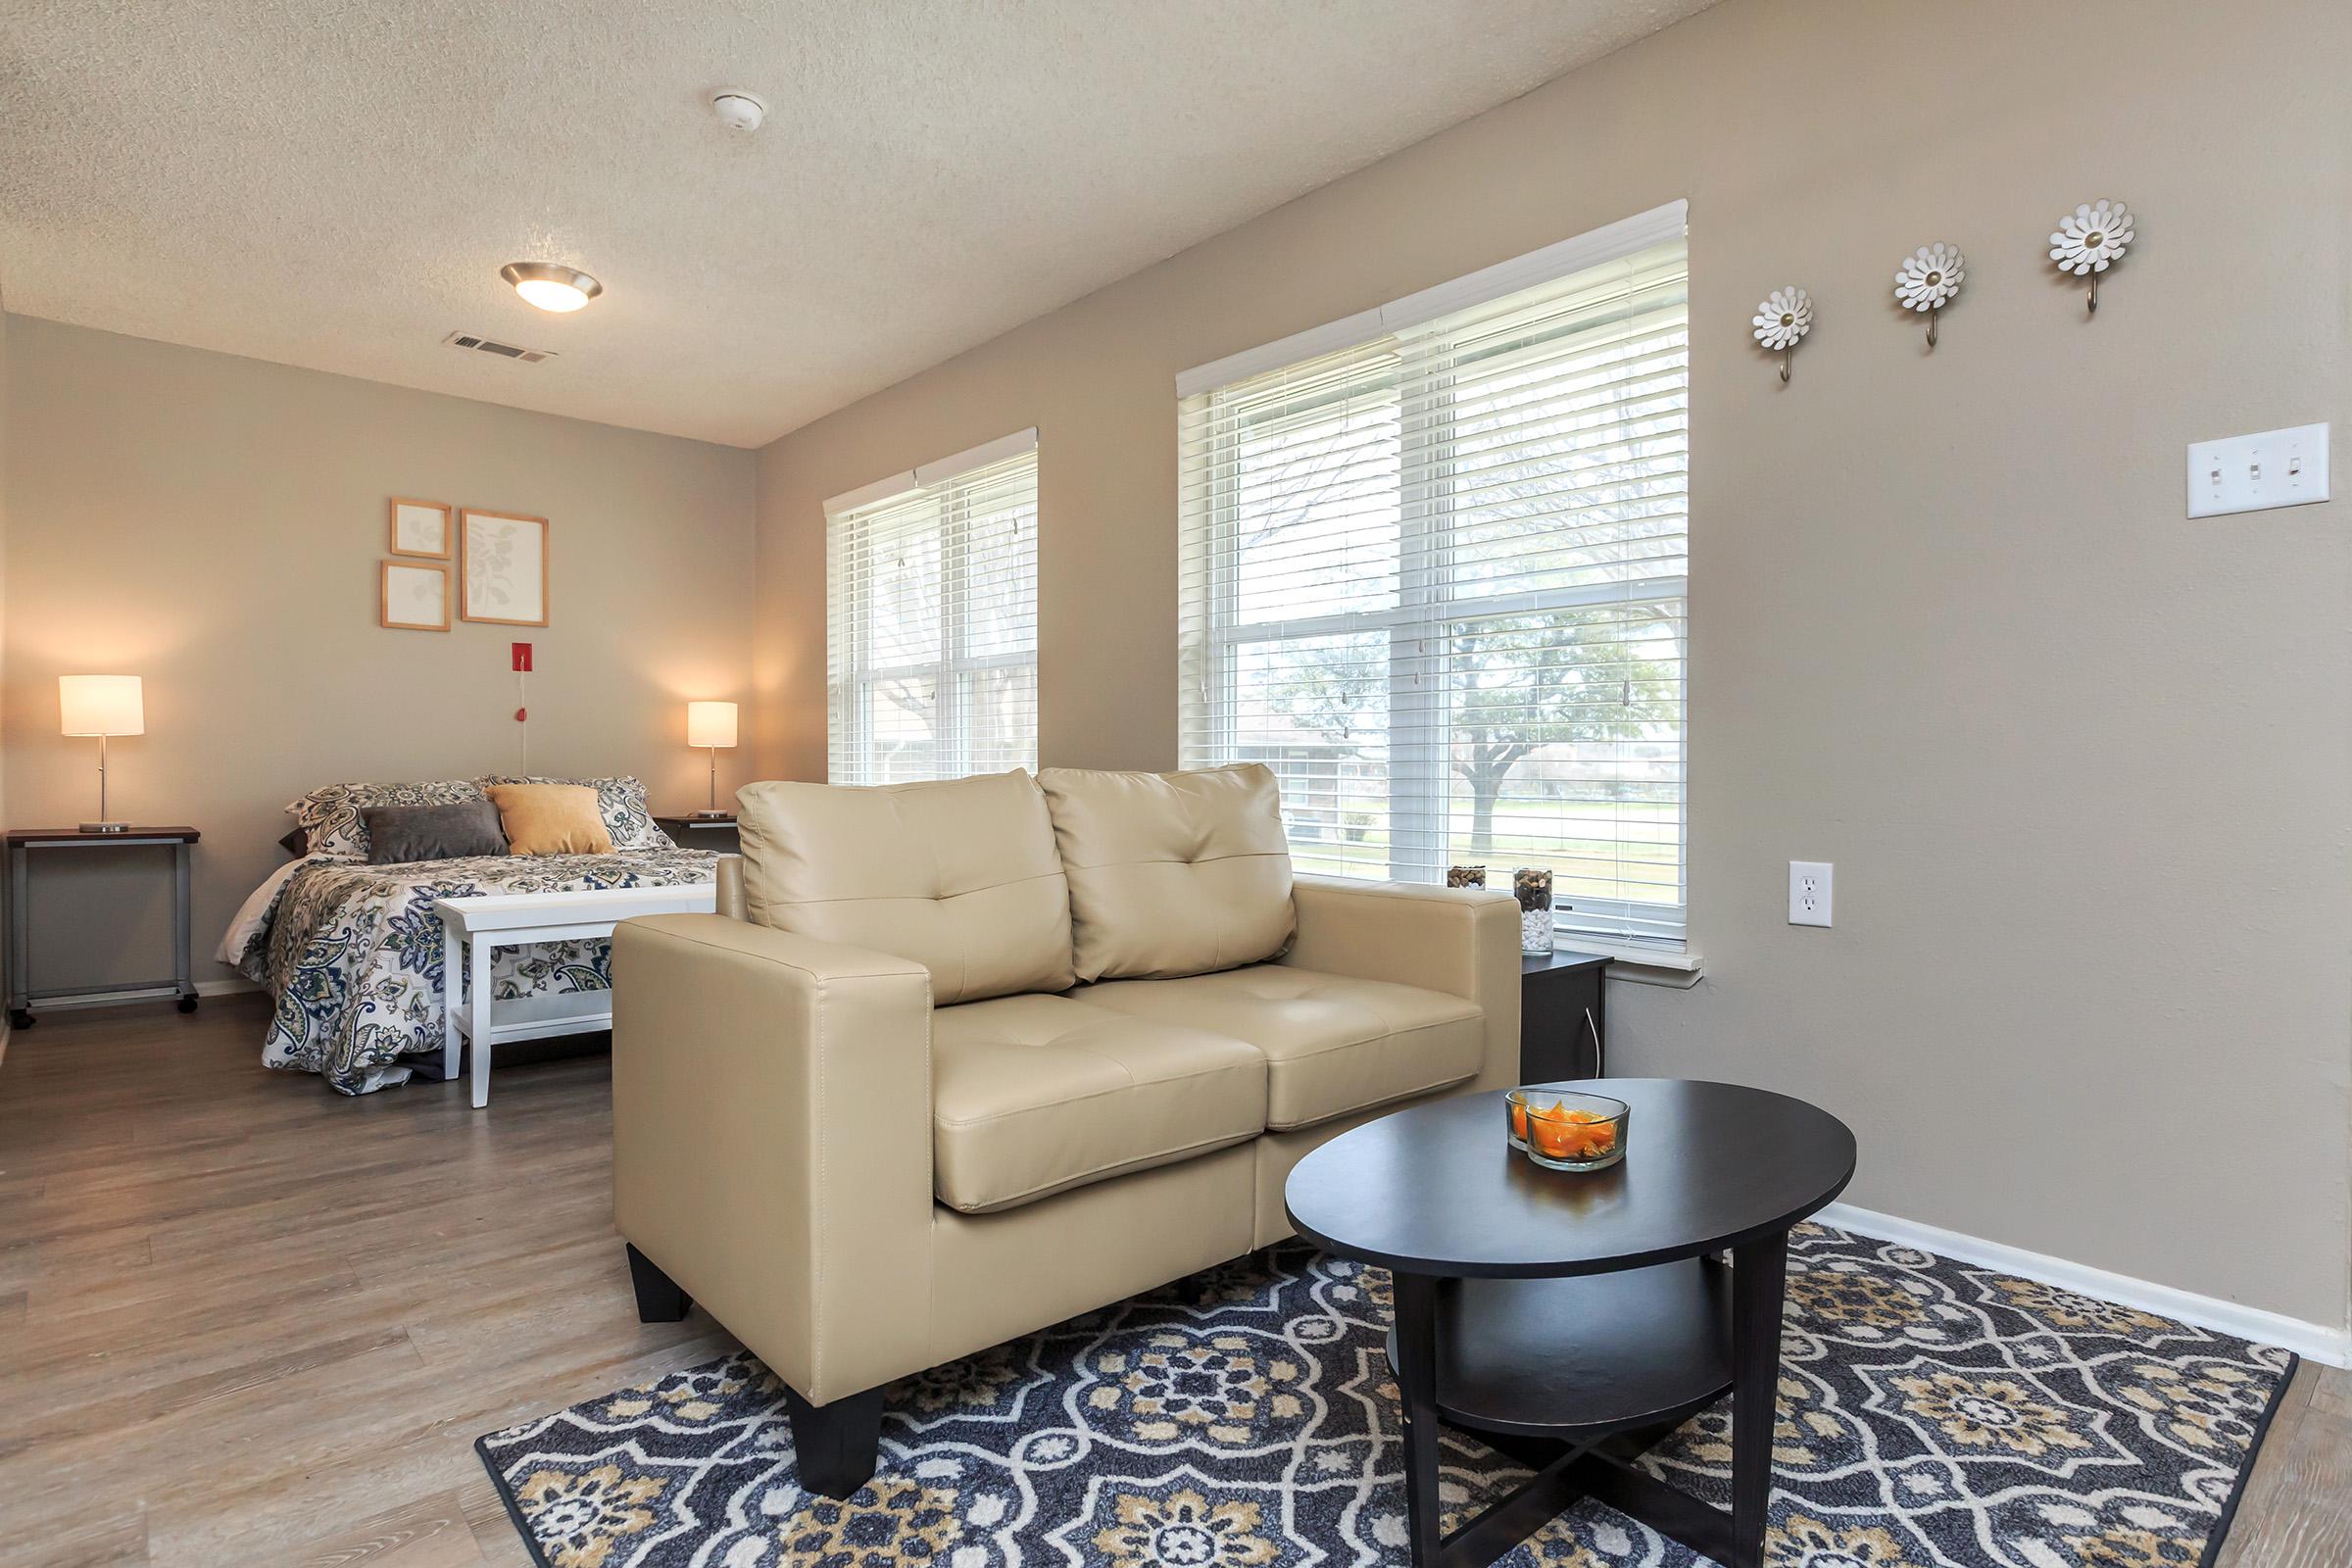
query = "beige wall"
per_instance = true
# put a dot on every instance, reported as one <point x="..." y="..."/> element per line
<point x="4" y="817"/>
<point x="2082" y="764"/>
<point x="214" y="524"/>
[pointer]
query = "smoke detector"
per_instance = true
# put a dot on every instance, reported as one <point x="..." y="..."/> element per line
<point x="739" y="111"/>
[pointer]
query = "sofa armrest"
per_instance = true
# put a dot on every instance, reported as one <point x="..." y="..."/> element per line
<point x="1461" y="941"/>
<point x="728" y="888"/>
<point x="771" y="1140"/>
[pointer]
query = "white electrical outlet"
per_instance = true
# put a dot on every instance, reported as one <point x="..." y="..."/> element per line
<point x="2255" y="472"/>
<point x="1809" y="892"/>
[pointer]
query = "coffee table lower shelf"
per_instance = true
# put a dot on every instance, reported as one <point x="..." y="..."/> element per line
<point x="1574" y="1378"/>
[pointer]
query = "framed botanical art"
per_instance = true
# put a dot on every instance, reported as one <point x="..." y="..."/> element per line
<point x="413" y="596"/>
<point x="421" y="528"/>
<point x="502" y="568"/>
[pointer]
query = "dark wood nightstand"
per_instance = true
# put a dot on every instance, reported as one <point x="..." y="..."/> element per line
<point x="22" y="842"/>
<point x="1564" y="1016"/>
<point x="703" y="833"/>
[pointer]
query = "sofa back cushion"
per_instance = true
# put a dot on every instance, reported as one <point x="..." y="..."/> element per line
<point x="1172" y="874"/>
<point x="959" y="876"/>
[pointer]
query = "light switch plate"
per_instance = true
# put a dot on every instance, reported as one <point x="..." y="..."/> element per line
<point x="1809" y="889"/>
<point x="2255" y="472"/>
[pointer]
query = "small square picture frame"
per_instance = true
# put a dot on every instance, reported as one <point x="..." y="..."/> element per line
<point x="421" y="528"/>
<point x="410" y="594"/>
<point x="502" y="568"/>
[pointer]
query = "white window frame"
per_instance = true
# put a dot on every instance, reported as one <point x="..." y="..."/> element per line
<point x="1426" y="611"/>
<point x="850" y="685"/>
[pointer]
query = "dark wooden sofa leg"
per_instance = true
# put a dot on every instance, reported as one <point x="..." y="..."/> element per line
<point x="835" y="1444"/>
<point x="659" y="1298"/>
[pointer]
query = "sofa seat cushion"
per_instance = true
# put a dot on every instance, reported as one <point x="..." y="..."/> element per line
<point x="1034" y="1094"/>
<point x="1333" y="1044"/>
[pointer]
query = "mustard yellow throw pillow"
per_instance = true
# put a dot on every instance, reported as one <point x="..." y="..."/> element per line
<point x="550" y="818"/>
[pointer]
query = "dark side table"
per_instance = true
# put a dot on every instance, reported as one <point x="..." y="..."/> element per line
<point x="1564" y="1016"/>
<point x="1573" y="1319"/>
<point x="703" y="833"/>
<point x="22" y="842"/>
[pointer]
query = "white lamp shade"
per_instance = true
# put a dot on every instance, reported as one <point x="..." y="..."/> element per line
<point x="100" y="705"/>
<point x="710" y="723"/>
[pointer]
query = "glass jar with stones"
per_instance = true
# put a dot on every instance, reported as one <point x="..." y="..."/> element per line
<point x="1532" y="885"/>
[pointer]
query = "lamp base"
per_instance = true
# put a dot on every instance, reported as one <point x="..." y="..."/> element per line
<point x="104" y="827"/>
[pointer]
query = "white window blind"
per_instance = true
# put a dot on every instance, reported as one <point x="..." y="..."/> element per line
<point x="1435" y="577"/>
<point x="931" y="620"/>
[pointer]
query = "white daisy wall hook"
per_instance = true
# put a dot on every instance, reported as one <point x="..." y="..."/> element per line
<point x="2090" y="239"/>
<point x="1929" y="280"/>
<point x="1783" y="319"/>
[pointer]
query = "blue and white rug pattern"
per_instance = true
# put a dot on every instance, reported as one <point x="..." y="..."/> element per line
<point x="1932" y="1415"/>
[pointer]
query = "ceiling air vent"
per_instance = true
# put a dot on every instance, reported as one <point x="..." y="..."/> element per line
<point x="505" y="351"/>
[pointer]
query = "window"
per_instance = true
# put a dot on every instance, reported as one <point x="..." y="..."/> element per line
<point x="931" y="620"/>
<point x="1432" y="572"/>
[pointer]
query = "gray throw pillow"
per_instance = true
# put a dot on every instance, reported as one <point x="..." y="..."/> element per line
<point x="397" y="834"/>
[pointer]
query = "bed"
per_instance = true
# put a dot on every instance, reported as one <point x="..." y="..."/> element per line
<point x="350" y="952"/>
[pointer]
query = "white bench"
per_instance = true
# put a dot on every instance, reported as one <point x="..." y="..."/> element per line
<point x="484" y="921"/>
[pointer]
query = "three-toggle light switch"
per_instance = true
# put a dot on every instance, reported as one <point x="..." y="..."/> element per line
<point x="2258" y="472"/>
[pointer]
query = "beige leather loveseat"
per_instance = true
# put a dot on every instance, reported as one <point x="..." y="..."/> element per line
<point x="981" y="1055"/>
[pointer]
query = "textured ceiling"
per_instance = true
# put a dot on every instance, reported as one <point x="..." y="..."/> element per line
<point x="336" y="184"/>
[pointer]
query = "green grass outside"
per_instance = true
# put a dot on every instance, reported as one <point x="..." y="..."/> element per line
<point x="1528" y="833"/>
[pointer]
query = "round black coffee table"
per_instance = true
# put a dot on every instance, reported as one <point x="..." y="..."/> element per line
<point x="1573" y="1319"/>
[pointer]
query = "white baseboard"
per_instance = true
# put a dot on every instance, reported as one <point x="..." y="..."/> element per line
<point x="225" y="988"/>
<point x="2313" y="1341"/>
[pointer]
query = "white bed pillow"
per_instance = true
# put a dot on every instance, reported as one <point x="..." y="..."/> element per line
<point x="329" y="816"/>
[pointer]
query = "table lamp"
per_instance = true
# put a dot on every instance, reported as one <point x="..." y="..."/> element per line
<point x="712" y="725"/>
<point x="100" y="706"/>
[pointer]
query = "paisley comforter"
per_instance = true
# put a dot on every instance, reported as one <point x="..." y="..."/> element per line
<point x="351" y="953"/>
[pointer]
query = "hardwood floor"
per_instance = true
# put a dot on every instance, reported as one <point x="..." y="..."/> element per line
<point x="244" y="1320"/>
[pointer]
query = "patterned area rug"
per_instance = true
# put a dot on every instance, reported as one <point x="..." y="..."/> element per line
<point x="1930" y="1414"/>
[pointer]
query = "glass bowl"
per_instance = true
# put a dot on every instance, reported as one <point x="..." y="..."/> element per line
<point x="1571" y="1131"/>
<point x="1514" y="1118"/>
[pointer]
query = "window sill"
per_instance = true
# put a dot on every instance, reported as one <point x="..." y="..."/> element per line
<point x="1641" y="962"/>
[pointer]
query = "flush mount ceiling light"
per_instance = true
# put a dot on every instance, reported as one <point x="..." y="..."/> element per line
<point x="550" y="285"/>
